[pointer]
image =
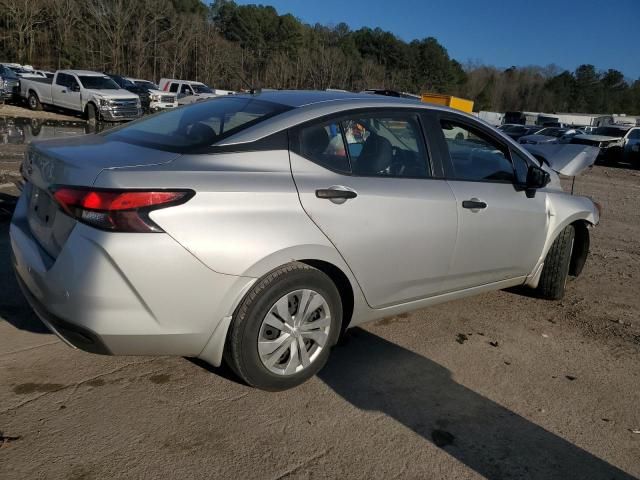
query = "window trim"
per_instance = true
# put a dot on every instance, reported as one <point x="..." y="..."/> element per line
<point x="448" y="167"/>
<point x="339" y="117"/>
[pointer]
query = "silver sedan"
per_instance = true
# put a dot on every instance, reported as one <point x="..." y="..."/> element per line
<point x="257" y="228"/>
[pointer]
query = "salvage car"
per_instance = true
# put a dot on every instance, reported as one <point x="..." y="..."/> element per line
<point x="517" y="131"/>
<point x="91" y="93"/>
<point x="158" y="100"/>
<point x="9" y="83"/>
<point x="551" y="135"/>
<point x="610" y="139"/>
<point x="257" y="228"/>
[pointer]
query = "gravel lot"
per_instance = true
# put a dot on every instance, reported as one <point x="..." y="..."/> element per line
<point x="496" y="386"/>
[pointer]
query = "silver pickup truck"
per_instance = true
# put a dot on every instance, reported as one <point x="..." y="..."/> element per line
<point x="91" y="93"/>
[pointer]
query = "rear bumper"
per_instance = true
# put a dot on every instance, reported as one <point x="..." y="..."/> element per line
<point x="73" y="335"/>
<point x="122" y="294"/>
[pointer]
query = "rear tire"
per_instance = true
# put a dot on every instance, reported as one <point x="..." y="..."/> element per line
<point x="34" y="102"/>
<point x="287" y="284"/>
<point x="92" y="114"/>
<point x="554" y="275"/>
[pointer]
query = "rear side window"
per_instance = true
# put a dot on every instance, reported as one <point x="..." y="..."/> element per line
<point x="475" y="155"/>
<point x="368" y="145"/>
<point x="324" y="145"/>
<point x="173" y="88"/>
<point x="386" y="145"/>
<point x="199" y="125"/>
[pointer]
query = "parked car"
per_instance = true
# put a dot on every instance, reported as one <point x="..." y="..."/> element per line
<point x="610" y="139"/>
<point x="91" y="93"/>
<point x="128" y="85"/>
<point x="189" y="91"/>
<point x="259" y="227"/>
<point x="9" y="83"/>
<point x="36" y="74"/>
<point x="508" y="126"/>
<point x="518" y="131"/>
<point x="158" y="100"/>
<point x="551" y="135"/>
<point x="632" y="146"/>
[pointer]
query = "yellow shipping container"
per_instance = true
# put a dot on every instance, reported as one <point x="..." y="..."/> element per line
<point x="448" y="101"/>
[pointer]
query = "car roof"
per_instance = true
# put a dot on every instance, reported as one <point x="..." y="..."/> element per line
<point x="302" y="98"/>
<point x="306" y="105"/>
<point x="86" y="73"/>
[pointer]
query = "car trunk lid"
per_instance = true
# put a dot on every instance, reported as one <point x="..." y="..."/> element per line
<point x="73" y="162"/>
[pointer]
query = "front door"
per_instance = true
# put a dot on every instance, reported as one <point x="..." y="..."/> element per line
<point x="501" y="231"/>
<point x="365" y="180"/>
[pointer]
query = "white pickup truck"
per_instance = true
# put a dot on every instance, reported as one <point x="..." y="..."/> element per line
<point x="189" y="91"/>
<point x="91" y="93"/>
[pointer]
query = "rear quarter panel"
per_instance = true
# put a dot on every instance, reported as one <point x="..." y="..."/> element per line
<point x="246" y="217"/>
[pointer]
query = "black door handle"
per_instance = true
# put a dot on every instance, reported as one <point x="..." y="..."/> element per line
<point x="332" y="193"/>
<point x="473" y="204"/>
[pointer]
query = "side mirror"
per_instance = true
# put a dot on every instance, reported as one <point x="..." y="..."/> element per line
<point x="536" y="178"/>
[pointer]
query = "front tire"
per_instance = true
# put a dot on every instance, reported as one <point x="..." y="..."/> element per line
<point x="92" y="114"/>
<point x="283" y="330"/>
<point x="553" y="279"/>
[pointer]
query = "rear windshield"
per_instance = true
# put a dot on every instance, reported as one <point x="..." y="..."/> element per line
<point x="197" y="125"/>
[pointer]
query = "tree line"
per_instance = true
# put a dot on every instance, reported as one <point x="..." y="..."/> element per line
<point x="236" y="46"/>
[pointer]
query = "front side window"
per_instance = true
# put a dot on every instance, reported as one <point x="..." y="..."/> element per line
<point x="186" y="90"/>
<point x="521" y="166"/>
<point x="198" y="125"/>
<point x="63" y="79"/>
<point x="475" y="156"/>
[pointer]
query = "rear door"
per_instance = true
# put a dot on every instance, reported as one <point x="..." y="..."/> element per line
<point x="365" y="179"/>
<point x="501" y="231"/>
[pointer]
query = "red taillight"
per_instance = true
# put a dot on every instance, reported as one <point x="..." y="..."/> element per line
<point x="117" y="210"/>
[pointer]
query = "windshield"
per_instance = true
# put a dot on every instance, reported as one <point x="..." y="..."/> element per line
<point x="8" y="73"/>
<point x="146" y="84"/>
<point x="201" y="88"/>
<point x="197" y="125"/>
<point x="552" y="132"/>
<point x="611" y="131"/>
<point x="98" y="83"/>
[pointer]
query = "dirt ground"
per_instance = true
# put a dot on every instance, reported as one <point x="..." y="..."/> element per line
<point x="499" y="386"/>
